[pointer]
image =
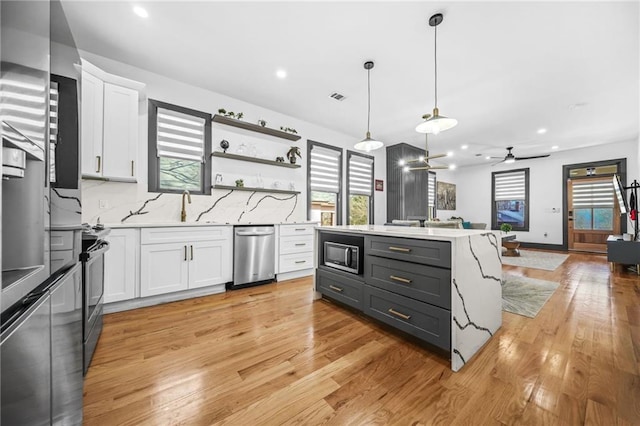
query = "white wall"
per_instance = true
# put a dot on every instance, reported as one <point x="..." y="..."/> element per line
<point x="545" y="187"/>
<point x="122" y="197"/>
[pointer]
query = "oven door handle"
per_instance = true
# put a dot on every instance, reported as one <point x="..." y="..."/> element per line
<point x="347" y="257"/>
<point x="98" y="249"/>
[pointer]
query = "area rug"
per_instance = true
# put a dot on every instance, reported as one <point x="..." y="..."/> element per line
<point x="536" y="259"/>
<point x="525" y="296"/>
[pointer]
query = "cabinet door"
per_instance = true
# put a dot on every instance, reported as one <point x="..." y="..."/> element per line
<point x="120" y="134"/>
<point x="164" y="268"/>
<point x="210" y="263"/>
<point x="121" y="265"/>
<point x="91" y="124"/>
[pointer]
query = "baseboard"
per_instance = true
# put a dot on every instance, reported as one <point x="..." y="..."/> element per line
<point x="295" y="274"/>
<point x="542" y="246"/>
<point x="143" y="302"/>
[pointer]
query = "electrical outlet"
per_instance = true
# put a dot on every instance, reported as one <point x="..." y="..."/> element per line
<point x="103" y="204"/>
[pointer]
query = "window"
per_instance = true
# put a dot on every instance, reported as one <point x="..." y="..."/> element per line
<point x="324" y="177"/>
<point x="360" y="189"/>
<point x="510" y="199"/>
<point x="592" y="201"/>
<point x="179" y="149"/>
<point x="431" y="195"/>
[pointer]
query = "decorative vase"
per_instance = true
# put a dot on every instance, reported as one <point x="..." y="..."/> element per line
<point x="292" y="159"/>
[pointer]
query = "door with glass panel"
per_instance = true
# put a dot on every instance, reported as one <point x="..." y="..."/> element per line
<point x="593" y="213"/>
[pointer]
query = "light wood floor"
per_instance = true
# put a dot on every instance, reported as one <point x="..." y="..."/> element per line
<point x="271" y="355"/>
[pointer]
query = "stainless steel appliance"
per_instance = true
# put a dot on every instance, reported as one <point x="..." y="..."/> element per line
<point x="343" y="252"/>
<point x="342" y="256"/>
<point x="254" y="255"/>
<point x="93" y="249"/>
<point x="41" y="361"/>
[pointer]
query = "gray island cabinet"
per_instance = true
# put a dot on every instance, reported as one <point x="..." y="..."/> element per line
<point x="442" y="286"/>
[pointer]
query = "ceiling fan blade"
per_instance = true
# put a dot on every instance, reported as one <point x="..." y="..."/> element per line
<point x="439" y="167"/>
<point x="495" y="164"/>
<point x="532" y="157"/>
<point x="413" y="169"/>
<point x="435" y="156"/>
<point x="498" y="157"/>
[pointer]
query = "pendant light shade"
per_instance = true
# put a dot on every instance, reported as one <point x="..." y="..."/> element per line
<point x="368" y="143"/>
<point x="436" y="123"/>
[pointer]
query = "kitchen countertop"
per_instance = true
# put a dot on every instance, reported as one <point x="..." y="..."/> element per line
<point x="441" y="234"/>
<point x="188" y="224"/>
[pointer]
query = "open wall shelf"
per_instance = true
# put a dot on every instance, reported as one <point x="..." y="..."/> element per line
<point x="254" y="127"/>
<point x="254" y="160"/>
<point x="247" y="188"/>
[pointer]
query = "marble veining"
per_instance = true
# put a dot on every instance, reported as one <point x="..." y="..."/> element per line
<point x="213" y="205"/>
<point x="466" y="314"/>
<point x="140" y="210"/>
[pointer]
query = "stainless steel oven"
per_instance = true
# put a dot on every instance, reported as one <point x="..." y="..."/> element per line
<point x="92" y="257"/>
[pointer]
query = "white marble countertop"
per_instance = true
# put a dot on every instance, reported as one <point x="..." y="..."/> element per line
<point x="188" y="224"/>
<point x="442" y="234"/>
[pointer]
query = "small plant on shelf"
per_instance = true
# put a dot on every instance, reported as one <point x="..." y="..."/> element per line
<point x="292" y="153"/>
<point x="230" y="114"/>
<point x="506" y="228"/>
<point x="289" y="130"/>
<point x="240" y="183"/>
<point x="279" y="159"/>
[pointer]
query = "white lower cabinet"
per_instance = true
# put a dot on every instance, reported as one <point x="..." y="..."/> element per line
<point x="296" y="243"/>
<point x="203" y="260"/>
<point x="121" y="265"/>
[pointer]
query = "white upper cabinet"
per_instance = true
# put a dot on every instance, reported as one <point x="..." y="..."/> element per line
<point x="109" y="125"/>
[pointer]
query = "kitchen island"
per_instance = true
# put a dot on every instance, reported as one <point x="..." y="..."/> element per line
<point x="442" y="286"/>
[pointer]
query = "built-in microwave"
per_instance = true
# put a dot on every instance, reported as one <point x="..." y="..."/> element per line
<point x="342" y="256"/>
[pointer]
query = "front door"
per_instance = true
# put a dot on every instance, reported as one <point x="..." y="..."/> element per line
<point x="593" y="213"/>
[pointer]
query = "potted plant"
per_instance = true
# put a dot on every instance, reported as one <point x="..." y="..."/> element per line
<point x="291" y="155"/>
<point x="230" y="114"/>
<point x="289" y="130"/>
<point x="240" y="183"/>
<point x="506" y="228"/>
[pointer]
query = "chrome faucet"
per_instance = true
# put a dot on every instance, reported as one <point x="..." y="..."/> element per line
<point x="183" y="213"/>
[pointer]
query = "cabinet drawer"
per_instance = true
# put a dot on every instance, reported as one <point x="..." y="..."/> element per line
<point x="340" y="288"/>
<point x="427" y="322"/>
<point x="306" y="229"/>
<point x="185" y="233"/>
<point x="296" y="244"/>
<point x="295" y="262"/>
<point x="422" y="282"/>
<point x="436" y="253"/>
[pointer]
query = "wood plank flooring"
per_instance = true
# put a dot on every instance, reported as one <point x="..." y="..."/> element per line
<point x="271" y="355"/>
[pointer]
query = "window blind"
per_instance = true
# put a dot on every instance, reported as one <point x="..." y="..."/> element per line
<point x="180" y="135"/>
<point x="360" y="175"/>
<point x="431" y="197"/>
<point x="53" y="129"/>
<point x="510" y="186"/>
<point x="592" y="194"/>
<point x="324" y="171"/>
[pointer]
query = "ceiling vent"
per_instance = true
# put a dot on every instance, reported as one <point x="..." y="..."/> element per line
<point x="337" y="96"/>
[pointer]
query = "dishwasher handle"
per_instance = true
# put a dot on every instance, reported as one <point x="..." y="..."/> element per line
<point x="254" y="233"/>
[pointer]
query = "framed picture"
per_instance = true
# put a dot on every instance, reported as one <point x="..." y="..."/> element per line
<point x="445" y="196"/>
<point x="379" y="185"/>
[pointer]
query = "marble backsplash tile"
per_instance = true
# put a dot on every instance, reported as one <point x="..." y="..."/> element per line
<point x="124" y="203"/>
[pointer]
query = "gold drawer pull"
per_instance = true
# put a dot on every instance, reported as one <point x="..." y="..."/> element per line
<point x="402" y="280"/>
<point x="301" y="244"/>
<point x="398" y="314"/>
<point x="334" y="288"/>
<point x="300" y="229"/>
<point x="402" y="249"/>
<point x="301" y="261"/>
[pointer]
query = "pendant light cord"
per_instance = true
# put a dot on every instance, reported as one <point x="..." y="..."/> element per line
<point x="435" y="61"/>
<point x="368" y="99"/>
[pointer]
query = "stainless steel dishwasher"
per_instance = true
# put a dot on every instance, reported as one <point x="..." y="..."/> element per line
<point x="254" y="256"/>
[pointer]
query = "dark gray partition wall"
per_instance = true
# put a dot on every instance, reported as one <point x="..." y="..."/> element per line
<point x="406" y="191"/>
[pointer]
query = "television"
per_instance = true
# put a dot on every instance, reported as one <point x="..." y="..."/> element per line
<point x="620" y="194"/>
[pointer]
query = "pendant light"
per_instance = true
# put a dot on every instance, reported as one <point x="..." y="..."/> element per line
<point x="436" y="123"/>
<point x="423" y="160"/>
<point x="368" y="144"/>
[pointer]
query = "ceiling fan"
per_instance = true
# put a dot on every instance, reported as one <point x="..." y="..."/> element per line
<point x="510" y="158"/>
<point x="422" y="162"/>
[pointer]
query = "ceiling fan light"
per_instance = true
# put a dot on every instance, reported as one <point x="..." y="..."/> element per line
<point x="368" y="144"/>
<point x="509" y="161"/>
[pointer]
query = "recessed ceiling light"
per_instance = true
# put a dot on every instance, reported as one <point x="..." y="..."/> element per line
<point x="140" y="11"/>
<point x="449" y="153"/>
<point x="578" y="105"/>
<point x="487" y="158"/>
<point x="281" y="74"/>
<point x="542" y="131"/>
<point x="555" y="147"/>
<point x="452" y="166"/>
<point x="464" y="147"/>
